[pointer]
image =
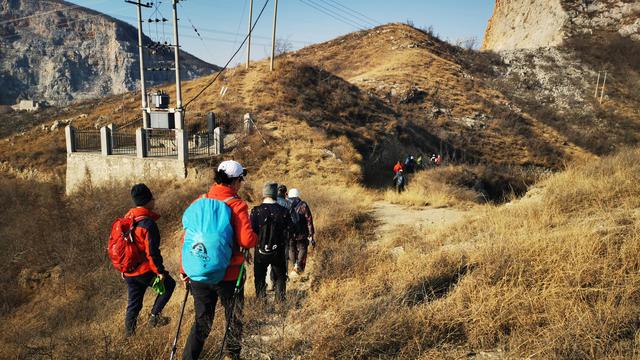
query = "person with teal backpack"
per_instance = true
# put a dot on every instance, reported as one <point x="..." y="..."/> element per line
<point x="217" y="235"/>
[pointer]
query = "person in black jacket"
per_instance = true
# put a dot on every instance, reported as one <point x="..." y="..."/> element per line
<point x="272" y="223"/>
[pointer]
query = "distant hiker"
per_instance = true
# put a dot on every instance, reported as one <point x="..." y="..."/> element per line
<point x="397" y="167"/>
<point x="303" y="232"/>
<point x="217" y="232"/>
<point x="272" y="222"/>
<point x="400" y="181"/>
<point x="419" y="162"/>
<point x="134" y="248"/>
<point x="438" y="160"/>
<point x="409" y="164"/>
<point x="432" y="161"/>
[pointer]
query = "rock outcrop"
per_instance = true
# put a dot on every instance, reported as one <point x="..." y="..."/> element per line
<point x="59" y="52"/>
<point x="523" y="24"/>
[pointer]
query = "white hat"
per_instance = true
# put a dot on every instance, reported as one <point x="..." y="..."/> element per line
<point x="294" y="193"/>
<point x="233" y="169"/>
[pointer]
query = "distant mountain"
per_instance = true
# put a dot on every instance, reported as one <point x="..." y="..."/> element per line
<point x="59" y="52"/>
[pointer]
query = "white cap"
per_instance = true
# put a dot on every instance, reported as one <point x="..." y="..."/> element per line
<point x="233" y="169"/>
<point x="294" y="193"/>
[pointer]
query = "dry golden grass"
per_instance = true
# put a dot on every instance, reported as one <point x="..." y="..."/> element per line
<point x="552" y="276"/>
<point x="426" y="189"/>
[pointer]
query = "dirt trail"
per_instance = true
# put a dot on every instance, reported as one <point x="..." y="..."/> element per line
<point x="392" y="216"/>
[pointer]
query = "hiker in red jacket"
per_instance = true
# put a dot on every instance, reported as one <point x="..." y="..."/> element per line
<point x="397" y="167"/>
<point x="228" y="181"/>
<point x="147" y="238"/>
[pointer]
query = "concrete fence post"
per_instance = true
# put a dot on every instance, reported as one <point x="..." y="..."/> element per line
<point x="105" y="141"/>
<point x="218" y="141"/>
<point x="182" y="145"/>
<point x="70" y="138"/>
<point x="248" y="124"/>
<point x="141" y="143"/>
<point x="112" y="132"/>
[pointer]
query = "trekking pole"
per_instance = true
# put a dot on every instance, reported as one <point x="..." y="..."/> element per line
<point x="236" y="291"/>
<point x="175" y="341"/>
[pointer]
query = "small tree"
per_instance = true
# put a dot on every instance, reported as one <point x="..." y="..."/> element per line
<point x="283" y="46"/>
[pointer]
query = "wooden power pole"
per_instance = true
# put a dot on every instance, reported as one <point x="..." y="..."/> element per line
<point x="273" y="38"/>
<point x="249" y="33"/>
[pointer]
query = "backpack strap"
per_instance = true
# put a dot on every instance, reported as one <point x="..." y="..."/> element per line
<point x="227" y="200"/>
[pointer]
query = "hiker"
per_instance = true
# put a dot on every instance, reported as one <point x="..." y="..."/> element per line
<point x="419" y="162"/>
<point x="272" y="222"/>
<point x="147" y="238"/>
<point x="397" y="167"/>
<point x="432" y="161"/>
<point x="282" y="197"/>
<point x="400" y="181"/>
<point x="217" y="227"/>
<point x="438" y="160"/>
<point x="303" y="232"/>
<point x="286" y="203"/>
<point x="409" y="164"/>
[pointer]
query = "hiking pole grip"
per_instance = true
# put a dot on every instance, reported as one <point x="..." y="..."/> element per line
<point x="174" y="348"/>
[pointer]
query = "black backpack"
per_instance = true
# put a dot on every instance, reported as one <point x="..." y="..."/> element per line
<point x="271" y="236"/>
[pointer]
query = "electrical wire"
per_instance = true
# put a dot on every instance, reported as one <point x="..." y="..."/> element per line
<point x="361" y="15"/>
<point x="331" y="14"/>
<point x="231" y="58"/>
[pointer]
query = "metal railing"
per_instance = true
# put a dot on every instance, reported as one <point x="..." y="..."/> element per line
<point x="123" y="143"/>
<point x="161" y="142"/>
<point x="202" y="145"/>
<point x="87" y="140"/>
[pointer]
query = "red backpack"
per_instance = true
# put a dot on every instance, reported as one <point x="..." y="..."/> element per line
<point x="123" y="251"/>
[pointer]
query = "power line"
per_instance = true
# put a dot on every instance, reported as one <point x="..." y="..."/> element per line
<point x="332" y="14"/>
<point x="363" y="16"/>
<point x="231" y="58"/>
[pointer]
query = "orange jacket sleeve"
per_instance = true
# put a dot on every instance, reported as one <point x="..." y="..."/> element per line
<point x="245" y="237"/>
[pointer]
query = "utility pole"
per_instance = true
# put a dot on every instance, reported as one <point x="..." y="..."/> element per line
<point x="143" y="88"/>
<point x="249" y="33"/>
<point x="178" y="110"/>
<point x="273" y="38"/>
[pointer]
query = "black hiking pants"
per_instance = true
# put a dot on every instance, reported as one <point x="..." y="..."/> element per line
<point x="278" y="262"/>
<point x="298" y="249"/>
<point x="137" y="286"/>
<point x="205" y="298"/>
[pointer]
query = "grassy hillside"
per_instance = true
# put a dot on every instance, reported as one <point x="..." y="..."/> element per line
<point x="552" y="275"/>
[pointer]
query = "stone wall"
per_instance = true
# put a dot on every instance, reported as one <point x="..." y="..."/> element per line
<point x="101" y="170"/>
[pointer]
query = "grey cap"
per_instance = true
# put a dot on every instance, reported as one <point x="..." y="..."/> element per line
<point x="270" y="190"/>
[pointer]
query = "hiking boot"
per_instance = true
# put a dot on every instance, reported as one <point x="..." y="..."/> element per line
<point x="158" y="320"/>
<point x="129" y="332"/>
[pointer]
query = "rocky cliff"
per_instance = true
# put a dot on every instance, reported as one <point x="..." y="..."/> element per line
<point x="58" y="52"/>
<point x="521" y="24"/>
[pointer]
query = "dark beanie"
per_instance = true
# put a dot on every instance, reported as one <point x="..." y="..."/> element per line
<point x="141" y="194"/>
<point x="282" y="190"/>
<point x="270" y="189"/>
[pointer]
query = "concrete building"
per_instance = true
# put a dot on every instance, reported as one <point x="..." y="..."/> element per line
<point x="26" y="105"/>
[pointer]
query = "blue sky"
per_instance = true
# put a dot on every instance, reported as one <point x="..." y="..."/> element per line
<point x="223" y="23"/>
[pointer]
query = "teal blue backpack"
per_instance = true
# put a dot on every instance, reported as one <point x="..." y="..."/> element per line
<point x="208" y="240"/>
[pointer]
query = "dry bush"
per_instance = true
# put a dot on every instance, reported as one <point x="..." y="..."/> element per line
<point x="554" y="275"/>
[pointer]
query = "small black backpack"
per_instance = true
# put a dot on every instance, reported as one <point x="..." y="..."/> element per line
<point x="272" y="235"/>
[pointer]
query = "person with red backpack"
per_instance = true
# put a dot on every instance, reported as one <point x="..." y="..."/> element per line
<point x="303" y="233"/>
<point x="218" y="234"/>
<point x="143" y="260"/>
